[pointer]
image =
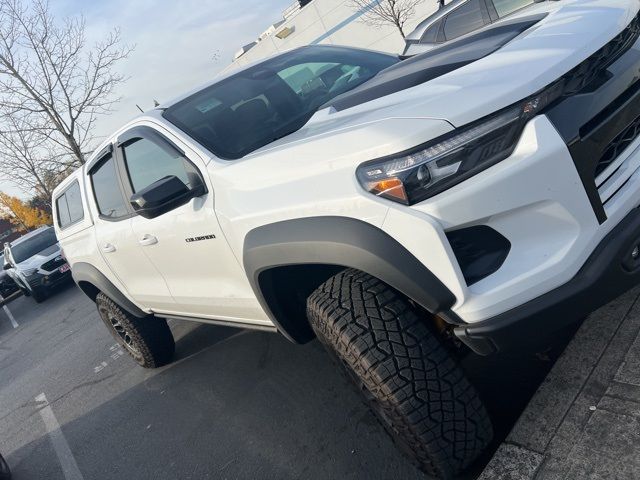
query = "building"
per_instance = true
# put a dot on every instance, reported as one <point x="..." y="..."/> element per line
<point x="337" y="22"/>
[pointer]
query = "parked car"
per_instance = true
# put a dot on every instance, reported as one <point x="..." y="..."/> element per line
<point x="460" y="18"/>
<point x="7" y="285"/>
<point x="5" y="473"/>
<point x="36" y="264"/>
<point x="404" y="213"/>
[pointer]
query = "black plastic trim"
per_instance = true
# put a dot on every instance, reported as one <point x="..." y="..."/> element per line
<point x="85" y="272"/>
<point x="609" y="272"/>
<point x="98" y="158"/>
<point x="480" y="251"/>
<point x="344" y="242"/>
<point x="151" y="134"/>
<point x="435" y="63"/>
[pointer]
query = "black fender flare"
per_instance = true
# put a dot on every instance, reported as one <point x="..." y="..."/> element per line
<point x="344" y="242"/>
<point x="85" y="273"/>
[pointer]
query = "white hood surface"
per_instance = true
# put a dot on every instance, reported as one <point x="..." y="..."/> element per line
<point x="570" y="33"/>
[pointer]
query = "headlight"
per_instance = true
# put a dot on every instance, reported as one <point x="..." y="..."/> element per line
<point x="428" y="170"/>
<point x="28" y="272"/>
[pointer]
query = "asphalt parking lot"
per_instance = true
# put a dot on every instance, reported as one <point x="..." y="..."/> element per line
<point x="234" y="404"/>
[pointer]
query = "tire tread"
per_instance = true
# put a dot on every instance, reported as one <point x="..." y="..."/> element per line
<point x="152" y="335"/>
<point x="408" y="376"/>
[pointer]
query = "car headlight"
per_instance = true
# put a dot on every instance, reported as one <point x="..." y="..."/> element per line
<point x="414" y="176"/>
<point x="28" y="272"/>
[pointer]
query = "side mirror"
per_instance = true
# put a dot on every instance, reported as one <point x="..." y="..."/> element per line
<point x="162" y="196"/>
<point x="6" y="266"/>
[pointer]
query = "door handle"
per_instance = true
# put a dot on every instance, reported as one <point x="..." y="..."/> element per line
<point x="148" y="240"/>
<point x="108" y="248"/>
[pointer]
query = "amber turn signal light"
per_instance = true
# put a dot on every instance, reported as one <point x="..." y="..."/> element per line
<point x="391" y="188"/>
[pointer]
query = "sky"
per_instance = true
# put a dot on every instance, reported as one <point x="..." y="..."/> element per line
<point x="175" y="45"/>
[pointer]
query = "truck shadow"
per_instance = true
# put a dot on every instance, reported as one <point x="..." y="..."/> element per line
<point x="251" y="405"/>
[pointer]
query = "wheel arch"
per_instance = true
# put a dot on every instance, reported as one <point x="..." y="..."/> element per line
<point x="286" y="261"/>
<point x="91" y="281"/>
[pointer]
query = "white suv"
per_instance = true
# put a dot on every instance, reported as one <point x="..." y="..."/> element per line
<point x="404" y="213"/>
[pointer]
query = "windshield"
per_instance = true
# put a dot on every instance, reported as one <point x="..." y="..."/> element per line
<point x="28" y="248"/>
<point x="272" y="99"/>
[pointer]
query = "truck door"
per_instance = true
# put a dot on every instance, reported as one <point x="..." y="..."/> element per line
<point x="186" y="243"/>
<point x="116" y="240"/>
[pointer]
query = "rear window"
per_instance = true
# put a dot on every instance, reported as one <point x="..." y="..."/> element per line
<point x="69" y="206"/>
<point x="272" y="99"/>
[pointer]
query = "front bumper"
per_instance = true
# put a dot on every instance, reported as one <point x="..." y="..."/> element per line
<point x="44" y="281"/>
<point x="572" y="180"/>
<point x="610" y="271"/>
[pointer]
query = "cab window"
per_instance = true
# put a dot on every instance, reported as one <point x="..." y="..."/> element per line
<point x="106" y="189"/>
<point x="147" y="162"/>
<point x="464" y="19"/>
<point x="431" y="34"/>
<point x="506" y="7"/>
<point x="69" y="206"/>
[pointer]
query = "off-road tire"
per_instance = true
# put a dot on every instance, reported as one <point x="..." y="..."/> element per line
<point x="38" y="296"/>
<point x="5" y="473"/>
<point x="148" y="340"/>
<point x="410" y="380"/>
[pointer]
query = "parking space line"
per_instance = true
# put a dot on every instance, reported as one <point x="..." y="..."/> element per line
<point x="10" y="315"/>
<point x="60" y="445"/>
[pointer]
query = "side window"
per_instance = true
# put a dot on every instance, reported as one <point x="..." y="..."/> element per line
<point x="506" y="7"/>
<point x="69" y="206"/>
<point x="431" y="34"/>
<point x="63" y="211"/>
<point x="147" y="163"/>
<point x="106" y="188"/>
<point x="463" y="20"/>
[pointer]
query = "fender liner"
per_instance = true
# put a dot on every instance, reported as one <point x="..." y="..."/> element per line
<point x="85" y="272"/>
<point x="344" y="242"/>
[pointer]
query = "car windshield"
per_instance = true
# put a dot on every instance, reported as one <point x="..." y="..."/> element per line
<point x="272" y="99"/>
<point x="31" y="246"/>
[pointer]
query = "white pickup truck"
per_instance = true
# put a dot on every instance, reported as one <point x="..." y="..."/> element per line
<point x="405" y="213"/>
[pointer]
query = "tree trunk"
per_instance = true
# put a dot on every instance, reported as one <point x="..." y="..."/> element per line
<point x="75" y="148"/>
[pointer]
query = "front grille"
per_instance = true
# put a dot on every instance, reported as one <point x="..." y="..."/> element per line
<point x="618" y="145"/>
<point x="598" y="115"/>
<point x="52" y="265"/>
<point x="595" y="67"/>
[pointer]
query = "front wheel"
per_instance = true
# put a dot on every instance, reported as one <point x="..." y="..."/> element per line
<point x="148" y="340"/>
<point x="5" y="473"/>
<point x="410" y="380"/>
<point x="39" y="296"/>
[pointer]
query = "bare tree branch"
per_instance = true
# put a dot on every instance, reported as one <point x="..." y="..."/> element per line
<point x="383" y="12"/>
<point x="53" y="87"/>
<point x="28" y="157"/>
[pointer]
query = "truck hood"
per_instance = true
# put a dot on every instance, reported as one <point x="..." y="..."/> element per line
<point x="571" y="32"/>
